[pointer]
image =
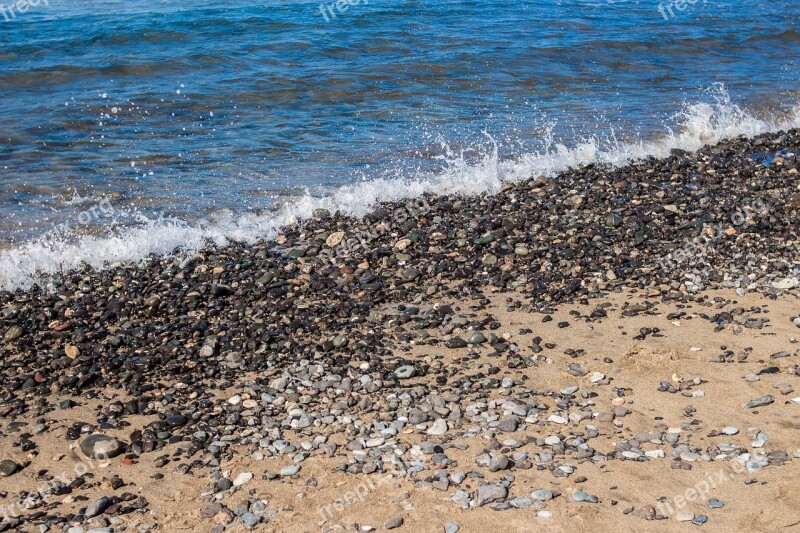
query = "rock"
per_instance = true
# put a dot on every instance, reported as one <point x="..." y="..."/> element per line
<point x="13" y="333"/>
<point x="508" y="424"/>
<point x="176" y="420"/>
<point x="99" y="446"/>
<point x="715" y="504"/>
<point x="242" y="478"/>
<point x="451" y="527"/>
<point x="500" y="462"/>
<point x="98" y="507"/>
<point x="462" y="499"/>
<point x="477" y="338"/>
<point x="491" y="493"/>
<point x="334" y="239"/>
<point x="543" y="495"/>
<point x="684" y="516"/>
<point x="405" y="372"/>
<point x="439" y="427"/>
<point x="581" y="496"/>
<point x="250" y="520"/>
<point x="8" y="468"/>
<point x="759" y="402"/>
<point x="456" y="342"/>
<point x="393" y="523"/>
<point x="290" y="470"/>
<point x="72" y="351"/>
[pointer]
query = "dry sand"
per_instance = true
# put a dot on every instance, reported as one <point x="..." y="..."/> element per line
<point x="766" y="500"/>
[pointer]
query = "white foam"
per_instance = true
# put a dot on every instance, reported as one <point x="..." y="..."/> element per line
<point x="696" y="125"/>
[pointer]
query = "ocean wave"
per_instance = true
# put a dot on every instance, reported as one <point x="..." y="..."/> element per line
<point x="694" y="126"/>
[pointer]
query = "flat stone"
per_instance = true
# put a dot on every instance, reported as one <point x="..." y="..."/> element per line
<point x="491" y="493"/>
<point x="543" y="495"/>
<point x="759" y="402"/>
<point x="242" y="478"/>
<point x="715" y="504"/>
<point x="394" y="523"/>
<point x="290" y="470"/>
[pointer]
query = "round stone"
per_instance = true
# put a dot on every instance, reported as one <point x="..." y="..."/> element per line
<point x="451" y="527"/>
<point x="99" y="446"/>
<point x="477" y="338"/>
<point x="8" y="468"/>
<point x="176" y="420"/>
<point x="405" y="372"/>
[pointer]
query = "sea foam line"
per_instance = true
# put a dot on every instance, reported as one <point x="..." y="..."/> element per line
<point x="696" y="125"/>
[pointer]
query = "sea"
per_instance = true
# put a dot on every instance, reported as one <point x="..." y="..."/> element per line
<point x="137" y="127"/>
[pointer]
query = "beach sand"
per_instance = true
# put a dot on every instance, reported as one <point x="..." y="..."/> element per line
<point x="763" y="500"/>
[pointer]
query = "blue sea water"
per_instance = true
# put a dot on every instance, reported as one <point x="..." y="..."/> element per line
<point x="129" y="126"/>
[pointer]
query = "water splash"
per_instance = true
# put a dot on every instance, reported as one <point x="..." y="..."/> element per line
<point x="695" y="125"/>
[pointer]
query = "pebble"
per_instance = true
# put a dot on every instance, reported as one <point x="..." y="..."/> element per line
<point x="490" y="493"/>
<point x="439" y="427"/>
<point x="99" y="446"/>
<point x="393" y="523"/>
<point x="405" y="372"/>
<point x="289" y="470"/>
<point x="98" y="507"/>
<point x="715" y="504"/>
<point x="243" y="478"/>
<point x="250" y="520"/>
<point x="8" y="468"/>
<point x="759" y="402"/>
<point x="543" y="495"/>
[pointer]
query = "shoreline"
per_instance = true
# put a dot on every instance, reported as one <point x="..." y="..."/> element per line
<point x="479" y="354"/>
